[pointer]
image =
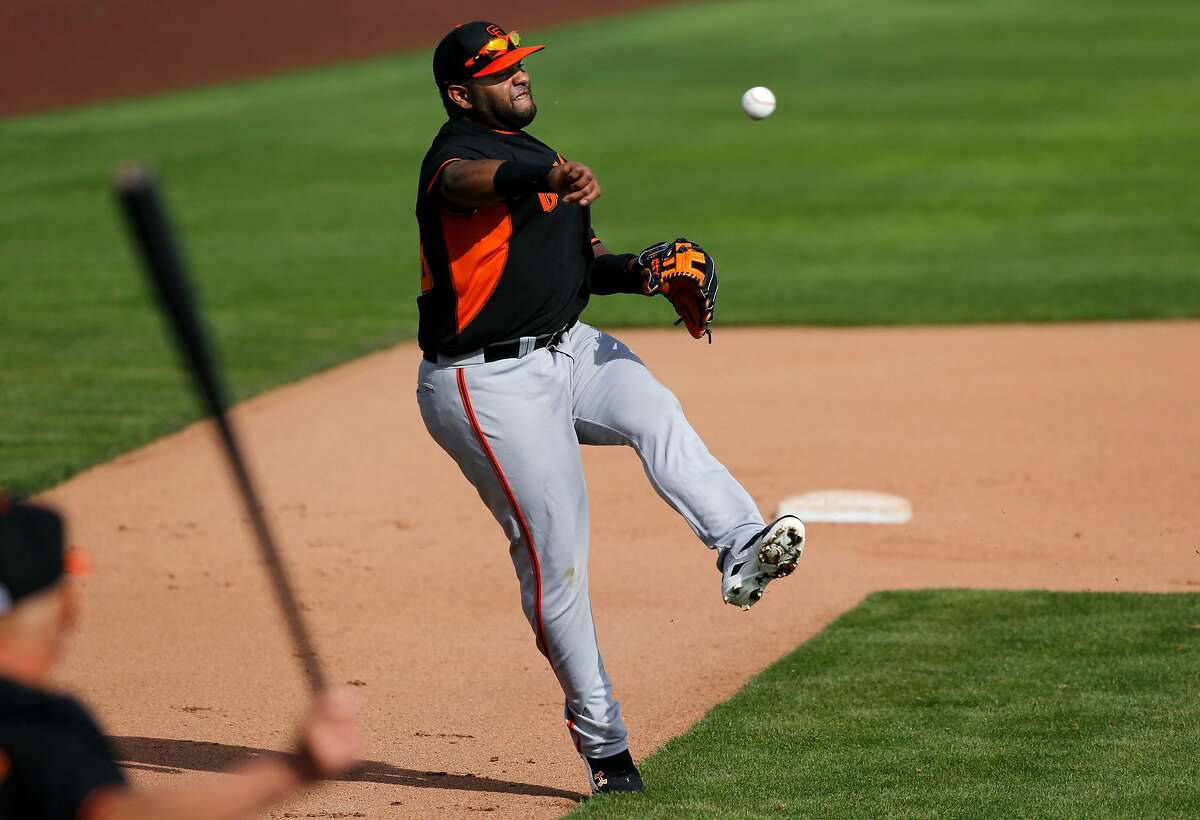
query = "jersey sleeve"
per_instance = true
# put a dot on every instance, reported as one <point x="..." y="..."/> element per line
<point x="442" y="154"/>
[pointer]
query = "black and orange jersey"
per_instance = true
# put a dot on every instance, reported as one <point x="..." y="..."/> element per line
<point x="500" y="272"/>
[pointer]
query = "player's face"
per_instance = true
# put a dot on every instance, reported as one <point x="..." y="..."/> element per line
<point x="504" y="100"/>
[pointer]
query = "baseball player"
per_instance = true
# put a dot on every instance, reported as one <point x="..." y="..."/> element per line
<point x="512" y="383"/>
<point x="55" y="764"/>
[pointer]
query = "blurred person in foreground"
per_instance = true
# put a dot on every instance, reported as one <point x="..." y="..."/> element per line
<point x="54" y="761"/>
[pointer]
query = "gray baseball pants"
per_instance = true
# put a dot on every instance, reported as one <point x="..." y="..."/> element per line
<point x="514" y="427"/>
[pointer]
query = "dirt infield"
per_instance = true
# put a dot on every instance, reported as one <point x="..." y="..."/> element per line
<point x="68" y="52"/>
<point x="1051" y="457"/>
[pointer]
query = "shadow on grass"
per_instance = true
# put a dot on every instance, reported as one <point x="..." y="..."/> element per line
<point x="176" y="756"/>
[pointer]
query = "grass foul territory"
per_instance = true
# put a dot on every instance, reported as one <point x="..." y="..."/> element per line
<point x="929" y="162"/>
<point x="953" y="704"/>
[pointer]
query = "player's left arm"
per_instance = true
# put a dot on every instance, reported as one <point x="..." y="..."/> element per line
<point x="615" y="272"/>
<point x="680" y="270"/>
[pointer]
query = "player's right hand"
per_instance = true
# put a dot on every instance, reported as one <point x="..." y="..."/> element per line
<point x="574" y="182"/>
<point x="330" y="741"/>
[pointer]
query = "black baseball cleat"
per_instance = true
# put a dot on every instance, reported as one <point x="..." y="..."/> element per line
<point x="615" y="773"/>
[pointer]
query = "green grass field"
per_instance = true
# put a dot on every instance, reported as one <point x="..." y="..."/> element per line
<point x="931" y="161"/>
<point x="954" y="704"/>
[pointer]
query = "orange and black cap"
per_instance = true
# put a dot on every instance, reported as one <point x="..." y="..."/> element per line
<point x="32" y="554"/>
<point x="476" y="50"/>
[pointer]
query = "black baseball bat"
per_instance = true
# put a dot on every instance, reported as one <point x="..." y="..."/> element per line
<point x="147" y="220"/>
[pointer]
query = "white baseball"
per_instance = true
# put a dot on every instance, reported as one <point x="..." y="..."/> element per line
<point x="758" y="102"/>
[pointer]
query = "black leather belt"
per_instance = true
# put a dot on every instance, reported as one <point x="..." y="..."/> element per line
<point x="511" y="350"/>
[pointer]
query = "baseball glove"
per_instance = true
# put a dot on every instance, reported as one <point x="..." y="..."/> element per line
<point x="687" y="275"/>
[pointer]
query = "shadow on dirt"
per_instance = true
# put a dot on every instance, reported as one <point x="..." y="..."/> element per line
<point x="176" y="756"/>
